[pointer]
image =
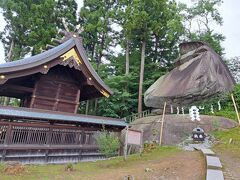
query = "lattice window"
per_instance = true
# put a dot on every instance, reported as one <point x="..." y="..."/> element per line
<point x="29" y="135"/>
<point x="3" y="132"/>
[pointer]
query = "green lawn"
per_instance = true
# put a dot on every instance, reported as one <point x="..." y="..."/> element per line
<point x="87" y="170"/>
<point x="224" y="140"/>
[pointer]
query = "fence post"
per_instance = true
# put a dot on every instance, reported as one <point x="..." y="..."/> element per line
<point x="235" y="107"/>
<point x="164" y="108"/>
<point x="8" y="137"/>
<point x="125" y="147"/>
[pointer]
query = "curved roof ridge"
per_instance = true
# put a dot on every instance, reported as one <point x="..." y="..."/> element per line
<point x="42" y="57"/>
<point x="49" y="55"/>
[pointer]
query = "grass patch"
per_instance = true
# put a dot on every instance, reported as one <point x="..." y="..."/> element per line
<point x="229" y="140"/>
<point x="88" y="170"/>
<point x="225" y="113"/>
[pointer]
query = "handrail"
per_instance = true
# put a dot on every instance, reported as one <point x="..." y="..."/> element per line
<point x="135" y="116"/>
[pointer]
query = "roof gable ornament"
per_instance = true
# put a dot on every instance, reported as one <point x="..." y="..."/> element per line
<point x="71" y="53"/>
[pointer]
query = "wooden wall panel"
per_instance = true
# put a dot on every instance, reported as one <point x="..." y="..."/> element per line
<point x="57" y="91"/>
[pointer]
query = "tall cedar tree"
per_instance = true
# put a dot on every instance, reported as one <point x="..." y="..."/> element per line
<point x="167" y="30"/>
<point x="32" y="24"/>
<point x="96" y="18"/>
<point x="149" y="28"/>
<point x="198" y="22"/>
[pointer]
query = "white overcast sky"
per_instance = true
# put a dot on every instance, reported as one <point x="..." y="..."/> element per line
<point x="230" y="12"/>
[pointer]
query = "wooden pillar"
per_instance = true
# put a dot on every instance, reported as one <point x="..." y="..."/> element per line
<point x="163" y="116"/>
<point x="77" y="101"/>
<point x="33" y="95"/>
<point x="55" y="107"/>
<point x="126" y="142"/>
<point x="235" y="107"/>
<point x="8" y="137"/>
<point x="87" y="105"/>
<point x="49" y="136"/>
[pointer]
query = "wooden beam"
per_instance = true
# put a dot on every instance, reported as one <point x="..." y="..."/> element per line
<point x="16" y="88"/>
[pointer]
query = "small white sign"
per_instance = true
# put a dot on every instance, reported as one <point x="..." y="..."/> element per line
<point x="134" y="137"/>
<point x="194" y="113"/>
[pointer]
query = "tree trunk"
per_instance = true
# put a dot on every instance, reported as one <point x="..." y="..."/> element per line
<point x="141" y="77"/>
<point x="6" y="101"/>
<point x="127" y="58"/>
<point x="10" y="52"/>
<point x="65" y="24"/>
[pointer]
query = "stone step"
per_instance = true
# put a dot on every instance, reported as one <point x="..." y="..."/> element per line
<point x="207" y="152"/>
<point x="214" y="174"/>
<point x="213" y="162"/>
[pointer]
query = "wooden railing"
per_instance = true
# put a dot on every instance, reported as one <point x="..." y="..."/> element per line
<point x="39" y="134"/>
<point x="133" y="117"/>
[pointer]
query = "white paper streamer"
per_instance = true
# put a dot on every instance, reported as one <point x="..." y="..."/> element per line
<point x="212" y="109"/>
<point x="183" y="110"/>
<point x="171" y="109"/>
<point x="219" y="105"/>
<point x="177" y="110"/>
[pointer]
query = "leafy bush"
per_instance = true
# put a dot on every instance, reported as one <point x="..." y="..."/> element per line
<point x="108" y="143"/>
<point x="148" y="147"/>
<point x="226" y="113"/>
<point x="69" y="167"/>
<point x="227" y="108"/>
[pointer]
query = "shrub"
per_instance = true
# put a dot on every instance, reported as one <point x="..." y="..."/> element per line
<point x="107" y="143"/>
<point x="148" y="147"/>
<point x="69" y="167"/>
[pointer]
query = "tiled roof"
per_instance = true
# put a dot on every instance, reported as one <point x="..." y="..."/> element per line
<point x="36" y="114"/>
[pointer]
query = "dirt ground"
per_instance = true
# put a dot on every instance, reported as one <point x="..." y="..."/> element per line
<point x="231" y="164"/>
<point x="182" y="166"/>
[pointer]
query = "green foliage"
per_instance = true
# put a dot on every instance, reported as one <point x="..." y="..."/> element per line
<point x="2" y="166"/>
<point x="105" y="24"/>
<point x="148" y="147"/>
<point x="69" y="167"/>
<point x="32" y="24"/>
<point x="125" y="87"/>
<point x="107" y="143"/>
<point x="227" y="108"/>
<point x="66" y="11"/>
<point x="198" y="20"/>
<point x="96" y="18"/>
<point x="229" y="140"/>
<point x="92" y="170"/>
<point x="226" y="113"/>
<point x="224" y="136"/>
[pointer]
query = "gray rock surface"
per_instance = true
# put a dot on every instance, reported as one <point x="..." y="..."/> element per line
<point x="177" y="127"/>
<point x="199" y="74"/>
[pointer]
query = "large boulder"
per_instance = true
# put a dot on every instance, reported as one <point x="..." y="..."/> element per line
<point x="199" y="73"/>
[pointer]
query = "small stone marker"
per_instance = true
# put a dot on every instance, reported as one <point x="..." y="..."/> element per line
<point x="207" y="152"/>
<point x="148" y="170"/>
<point x="214" y="175"/>
<point x="213" y="162"/>
<point x="129" y="177"/>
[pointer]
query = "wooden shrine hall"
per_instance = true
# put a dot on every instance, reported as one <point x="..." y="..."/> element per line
<point x="46" y="127"/>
